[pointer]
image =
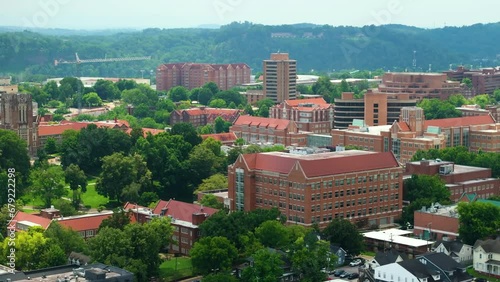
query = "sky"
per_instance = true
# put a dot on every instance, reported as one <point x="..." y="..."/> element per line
<point x="112" y="14"/>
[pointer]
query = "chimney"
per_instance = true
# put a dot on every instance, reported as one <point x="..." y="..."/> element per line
<point x="198" y="218"/>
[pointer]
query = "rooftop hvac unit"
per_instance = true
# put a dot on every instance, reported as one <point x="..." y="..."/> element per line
<point x="446" y="169"/>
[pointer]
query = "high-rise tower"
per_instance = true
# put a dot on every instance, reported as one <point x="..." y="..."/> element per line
<point x="280" y="78"/>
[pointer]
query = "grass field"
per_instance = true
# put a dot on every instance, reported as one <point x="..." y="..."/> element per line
<point x="169" y="272"/>
<point x="472" y="272"/>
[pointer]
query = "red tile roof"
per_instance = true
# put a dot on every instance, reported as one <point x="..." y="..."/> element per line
<point x="321" y="164"/>
<point x="461" y="121"/>
<point x="210" y="111"/>
<point x="22" y="216"/>
<point x="404" y="126"/>
<point x="84" y="222"/>
<point x="222" y="137"/>
<point x="262" y="122"/>
<point x="181" y="210"/>
<point x="46" y="129"/>
<point x="297" y="102"/>
<point x="145" y="131"/>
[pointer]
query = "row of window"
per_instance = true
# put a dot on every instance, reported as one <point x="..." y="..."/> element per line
<point x="473" y="189"/>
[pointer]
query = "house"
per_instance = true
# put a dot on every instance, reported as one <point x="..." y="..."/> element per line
<point x="487" y="256"/>
<point x="203" y="115"/>
<point x="340" y="253"/>
<point x="425" y="268"/>
<point x="387" y="257"/>
<point x="460" y="252"/>
<point x="186" y="218"/>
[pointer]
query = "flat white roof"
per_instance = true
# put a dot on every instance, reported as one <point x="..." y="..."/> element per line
<point x="396" y="236"/>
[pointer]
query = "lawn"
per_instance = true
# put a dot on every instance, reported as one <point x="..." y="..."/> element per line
<point x="169" y="272"/>
<point x="474" y="273"/>
<point x="91" y="198"/>
<point x="368" y="253"/>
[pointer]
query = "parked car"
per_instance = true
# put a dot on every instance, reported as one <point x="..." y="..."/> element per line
<point x="345" y="274"/>
<point x="338" y="272"/>
<point x="353" y="276"/>
<point x="356" y="262"/>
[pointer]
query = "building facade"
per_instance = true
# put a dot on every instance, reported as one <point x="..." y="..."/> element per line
<point x="459" y="179"/>
<point x="193" y="75"/>
<point x="18" y="113"/>
<point x="436" y="222"/>
<point x="312" y="115"/>
<point x="259" y="130"/>
<point x="280" y="78"/>
<point x="361" y="186"/>
<point x="419" y="85"/>
<point x="375" y="108"/>
<point x="202" y="116"/>
<point x="484" y="81"/>
<point x="487" y="256"/>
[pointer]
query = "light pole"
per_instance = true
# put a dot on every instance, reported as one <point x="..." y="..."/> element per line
<point x="430" y="232"/>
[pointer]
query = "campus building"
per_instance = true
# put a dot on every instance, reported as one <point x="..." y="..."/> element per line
<point x="261" y="130"/>
<point x="419" y="85"/>
<point x="459" y="179"/>
<point x="312" y="115"/>
<point x="19" y="113"/>
<point x="484" y="81"/>
<point x="202" y="116"/>
<point x="280" y="78"/>
<point x="364" y="187"/>
<point x="436" y="222"/>
<point x="375" y="108"/>
<point x="193" y="75"/>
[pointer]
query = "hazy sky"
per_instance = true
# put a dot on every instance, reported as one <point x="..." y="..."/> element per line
<point x="102" y="14"/>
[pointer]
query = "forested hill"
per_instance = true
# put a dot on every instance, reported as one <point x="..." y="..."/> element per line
<point x="319" y="48"/>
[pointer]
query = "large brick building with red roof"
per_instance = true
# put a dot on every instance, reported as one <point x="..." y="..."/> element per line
<point x="202" y="116"/>
<point x="268" y="131"/>
<point x="193" y="75"/>
<point x="225" y="138"/>
<point x="357" y="185"/>
<point x="312" y="115"/>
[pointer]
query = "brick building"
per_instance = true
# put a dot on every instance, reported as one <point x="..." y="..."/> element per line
<point x="364" y="187"/>
<point x="18" y="113"/>
<point x="375" y="108"/>
<point x="193" y="75"/>
<point x="312" y="115"/>
<point x="484" y="81"/>
<point x="459" y="179"/>
<point x="202" y="116"/>
<point x="419" y="85"/>
<point x="280" y="78"/>
<point x="436" y="222"/>
<point x="268" y="130"/>
<point x="227" y="139"/>
<point x="413" y="133"/>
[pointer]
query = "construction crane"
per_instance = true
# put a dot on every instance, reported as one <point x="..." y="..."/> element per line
<point x="79" y="61"/>
<point x="103" y="60"/>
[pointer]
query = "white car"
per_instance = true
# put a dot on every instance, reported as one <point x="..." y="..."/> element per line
<point x="356" y="262"/>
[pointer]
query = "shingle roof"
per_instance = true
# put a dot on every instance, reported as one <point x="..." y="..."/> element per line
<point x="451" y="246"/>
<point x="46" y="129"/>
<point x="223" y="137"/>
<point x="321" y="164"/>
<point x="490" y="245"/>
<point x="261" y="122"/>
<point x="416" y="268"/>
<point x="181" y="210"/>
<point x="389" y="256"/>
<point x="461" y="121"/>
<point x="442" y="261"/>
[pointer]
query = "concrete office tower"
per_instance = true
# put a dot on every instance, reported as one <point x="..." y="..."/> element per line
<point x="280" y="78"/>
<point x="17" y="114"/>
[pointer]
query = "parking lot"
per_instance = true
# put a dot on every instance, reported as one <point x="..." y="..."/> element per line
<point x="350" y="269"/>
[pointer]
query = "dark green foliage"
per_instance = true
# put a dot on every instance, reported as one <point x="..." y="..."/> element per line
<point x="478" y="221"/>
<point x="438" y="109"/>
<point x="343" y="233"/>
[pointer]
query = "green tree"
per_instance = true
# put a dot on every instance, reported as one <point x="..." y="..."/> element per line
<point x="92" y="99"/>
<point x="178" y="93"/>
<point x="457" y="100"/>
<point x="249" y="110"/>
<point x="343" y="233"/>
<point x="267" y="267"/>
<point x="273" y="234"/>
<point x="212" y="86"/>
<point x="65" y="207"/>
<point x="118" y="220"/>
<point x="214" y="182"/>
<point x="478" y="221"/>
<point x="438" y="109"/>
<point x="201" y="164"/>
<point x="309" y="257"/>
<point x="482" y="100"/>
<point x="231" y="96"/>
<point x="212" y="254"/>
<point x="107" y="90"/>
<point x="14" y="159"/>
<point x="219" y="125"/>
<point x="205" y="95"/>
<point x="48" y="183"/>
<point x="188" y="133"/>
<point x="52" y="90"/>
<point x="210" y="200"/>
<point x="217" y="103"/>
<point x="467" y="81"/>
<point x="119" y="171"/>
<point x="76" y="179"/>
<point x="220" y="277"/>
<point x="66" y="238"/>
<point x="496" y="95"/>
<point x="51" y="145"/>
<point x="264" y="111"/>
